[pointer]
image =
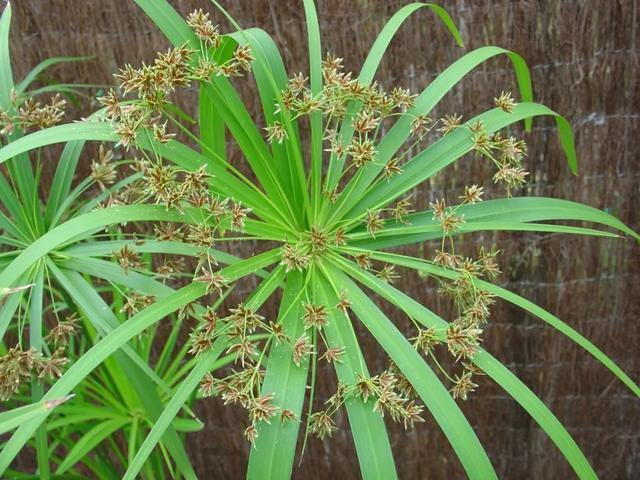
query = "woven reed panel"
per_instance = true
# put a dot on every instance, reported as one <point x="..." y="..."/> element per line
<point x="585" y="65"/>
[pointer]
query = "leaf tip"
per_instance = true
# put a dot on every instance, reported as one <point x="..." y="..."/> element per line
<point x="9" y="290"/>
<point x="51" y="404"/>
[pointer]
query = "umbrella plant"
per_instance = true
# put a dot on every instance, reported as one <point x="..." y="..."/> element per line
<point x="320" y="200"/>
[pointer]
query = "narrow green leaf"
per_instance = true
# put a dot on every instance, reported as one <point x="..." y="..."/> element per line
<point x="224" y="182"/>
<point x="211" y="127"/>
<point x="370" y="66"/>
<point x="315" y="67"/>
<point x="273" y="452"/>
<point x="203" y="365"/>
<point x="61" y="184"/>
<point x="118" y="337"/>
<point x="500" y="214"/>
<point x="15" y="417"/>
<point x="6" y="77"/>
<point x="37" y="388"/>
<point x="169" y="22"/>
<point x="103" y="318"/>
<point x="22" y="86"/>
<point x="555" y="322"/>
<point x="394" y="237"/>
<point x="88" y="441"/>
<point x="434" y="395"/>
<point x="87" y="223"/>
<point x="129" y="370"/>
<point x="491" y="366"/>
<point x="58" y="134"/>
<point x="451" y="147"/>
<point x="9" y="306"/>
<point x="367" y="426"/>
<point x="173" y="407"/>
<point x="425" y="102"/>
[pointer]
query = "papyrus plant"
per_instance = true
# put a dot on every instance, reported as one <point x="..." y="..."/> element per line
<point x="333" y="201"/>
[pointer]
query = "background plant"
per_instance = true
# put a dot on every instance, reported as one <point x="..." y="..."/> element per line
<point x="435" y="225"/>
<point x="74" y="296"/>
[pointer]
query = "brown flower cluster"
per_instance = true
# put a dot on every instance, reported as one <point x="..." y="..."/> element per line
<point x="19" y="367"/>
<point x="144" y="91"/>
<point x="340" y="91"/>
<point x="389" y="393"/>
<point x="26" y="113"/>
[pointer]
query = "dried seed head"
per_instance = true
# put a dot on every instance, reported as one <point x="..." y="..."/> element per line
<point x="403" y="98"/>
<point x="276" y="132"/>
<point x="160" y="133"/>
<point x="61" y="333"/>
<point x="201" y="342"/>
<point x="209" y="321"/>
<point x="321" y="424"/>
<point x="340" y="237"/>
<point x="245" y="318"/>
<point x="488" y="264"/>
<point x="16" y="367"/>
<point x="213" y="280"/>
<point x="451" y="222"/>
<point x="244" y="350"/>
<point x="302" y="348"/>
<point x="251" y="433"/>
<point x="426" y="340"/>
<point x="127" y="258"/>
<point x="318" y="240"/>
<point x="52" y="367"/>
<point x="374" y="222"/>
<point x="412" y="415"/>
<point x="388" y="274"/>
<point x="294" y="257"/>
<point x="261" y="408"/>
<point x="472" y="194"/>
<point x="513" y="177"/>
<point x="362" y="151"/>
<point x="439" y="208"/>
<point x="463" y="386"/>
<point x="160" y="180"/>
<point x="204" y="29"/>
<point x="420" y="125"/>
<point x="505" y="102"/>
<point x="277" y="330"/>
<point x="391" y="168"/>
<point x="365" y="122"/>
<point x="447" y="259"/>
<point x="332" y="195"/>
<point x="363" y="260"/>
<point x="450" y="123"/>
<point x="168" y="232"/>
<point x="333" y="354"/>
<point x="463" y="342"/>
<point x="365" y="387"/>
<point x="343" y="302"/>
<point x="298" y="83"/>
<point x="315" y="316"/>
<point x="34" y="114"/>
<point x="201" y="235"/>
<point x="111" y="104"/>
<point x="402" y="209"/>
<point x="287" y="415"/>
<point x="103" y="171"/>
<point x="207" y="385"/>
<point x="238" y="216"/>
<point x="243" y="55"/>
<point x="135" y="302"/>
